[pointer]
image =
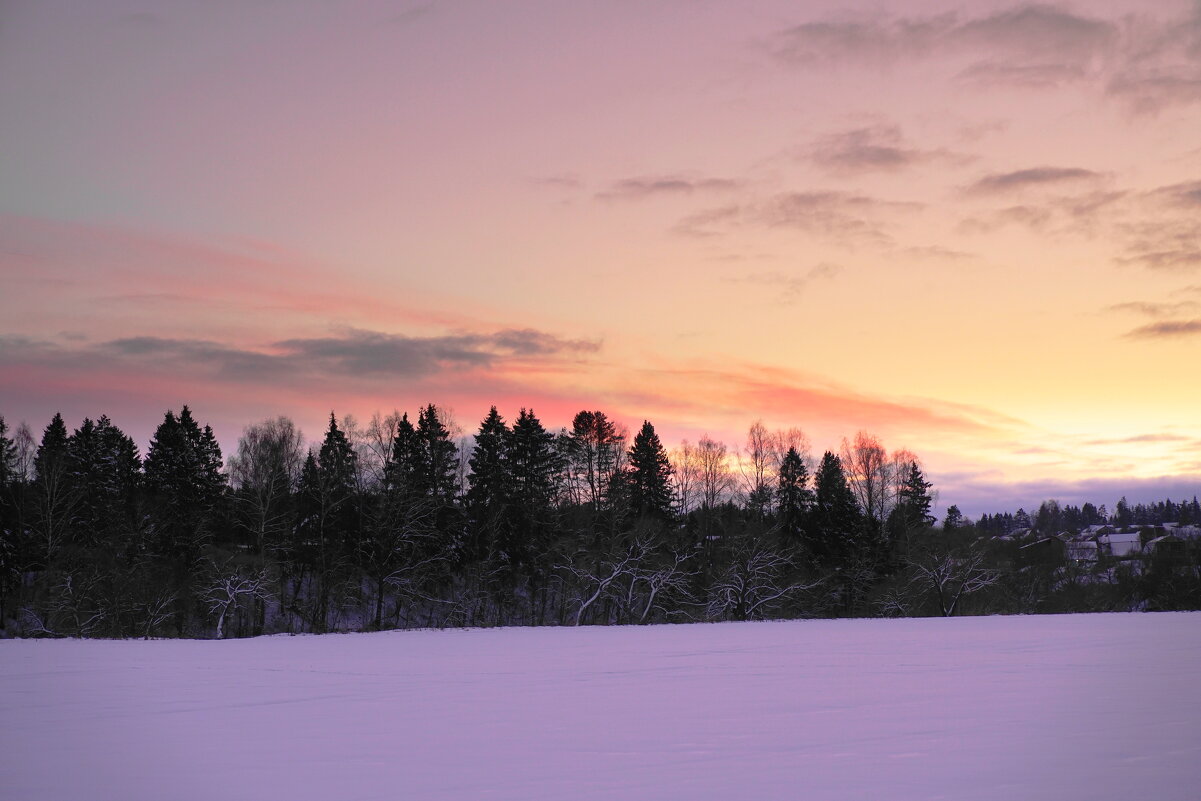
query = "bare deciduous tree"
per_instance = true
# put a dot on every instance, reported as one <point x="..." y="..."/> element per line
<point x="754" y="581"/>
<point x="716" y="480"/>
<point x="686" y="475"/>
<point x="229" y="588"/>
<point x="756" y="467"/>
<point x="948" y="578"/>
<point x="869" y="474"/>
<point x="595" y="577"/>
<point x="264" y="472"/>
<point x="668" y="579"/>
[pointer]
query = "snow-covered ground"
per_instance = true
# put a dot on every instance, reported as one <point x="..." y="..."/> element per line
<point x="1066" y="707"/>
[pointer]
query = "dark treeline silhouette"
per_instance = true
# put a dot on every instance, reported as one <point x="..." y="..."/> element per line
<point x="403" y="523"/>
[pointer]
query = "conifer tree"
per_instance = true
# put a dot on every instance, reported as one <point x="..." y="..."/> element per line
<point x="105" y="472"/>
<point x="794" y="499"/>
<point x="185" y="485"/>
<point x="405" y="461"/>
<point x="535" y="468"/>
<point x="54" y="496"/>
<point x="8" y="457"/>
<point x="9" y="557"/>
<point x="953" y="519"/>
<point x="438" y="457"/>
<point x="534" y="465"/>
<point x="487" y="483"/>
<point x="835" y="533"/>
<point x="649" y="475"/>
<point x="338" y="472"/>
<point x="489" y="486"/>
<point x="912" y="512"/>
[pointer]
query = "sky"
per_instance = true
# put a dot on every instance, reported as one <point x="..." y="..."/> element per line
<point x="972" y="229"/>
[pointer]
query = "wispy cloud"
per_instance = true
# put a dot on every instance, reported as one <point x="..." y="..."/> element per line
<point x="787" y="287"/>
<point x="1146" y="62"/>
<point x="937" y="252"/>
<point x="1031" y="177"/>
<point x="874" y="148"/>
<point x="351" y="353"/>
<point x="1155" y="309"/>
<point x="1028" y="35"/>
<point x="834" y="214"/>
<point x="642" y="187"/>
<point x="1051" y="210"/>
<point x="1168" y="329"/>
<point x="1165" y="234"/>
<point x="846" y="218"/>
<point x="1139" y="439"/>
<point x="1186" y="194"/>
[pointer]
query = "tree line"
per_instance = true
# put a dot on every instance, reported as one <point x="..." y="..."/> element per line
<point x="406" y="523"/>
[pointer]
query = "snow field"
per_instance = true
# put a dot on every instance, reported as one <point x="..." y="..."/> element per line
<point x="1047" y="707"/>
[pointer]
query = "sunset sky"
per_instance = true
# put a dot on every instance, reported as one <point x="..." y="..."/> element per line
<point x="973" y="229"/>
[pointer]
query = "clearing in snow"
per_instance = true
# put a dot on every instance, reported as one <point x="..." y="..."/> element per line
<point x="1045" y="707"/>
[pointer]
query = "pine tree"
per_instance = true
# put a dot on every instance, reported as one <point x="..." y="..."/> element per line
<point x="912" y="512"/>
<point x="649" y="475"/>
<point x="534" y="465"/>
<point x="105" y="472"/>
<point x="405" y="462"/>
<point x="184" y="483"/>
<point x="338" y="472"/>
<point x="835" y="533"/>
<point x="437" y="478"/>
<point x="535" y="470"/>
<point x="1122" y="515"/>
<point x="794" y="499"/>
<point x="9" y="557"/>
<point x="54" y="497"/>
<point x="489" y="485"/>
<point x="953" y="519"/>
<point x="8" y="457"/>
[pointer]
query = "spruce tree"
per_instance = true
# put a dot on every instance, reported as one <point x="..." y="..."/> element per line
<point x="953" y="519"/>
<point x="404" y="462"/>
<point x="8" y="457"/>
<point x="105" y="471"/>
<point x="488" y="480"/>
<point x="184" y="484"/>
<point x="835" y="534"/>
<point x="912" y="512"/>
<point x="794" y="499"/>
<point x="534" y="465"/>
<point x="489" y="487"/>
<point x="54" y="497"/>
<point x="9" y="557"/>
<point x="338" y="471"/>
<point x="437" y="478"/>
<point x="649" y="475"/>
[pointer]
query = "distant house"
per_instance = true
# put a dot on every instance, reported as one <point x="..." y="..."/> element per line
<point x="1098" y="529"/>
<point x="1044" y="551"/>
<point x="1167" y="545"/>
<point x="1082" y="549"/>
<point x="1120" y="544"/>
